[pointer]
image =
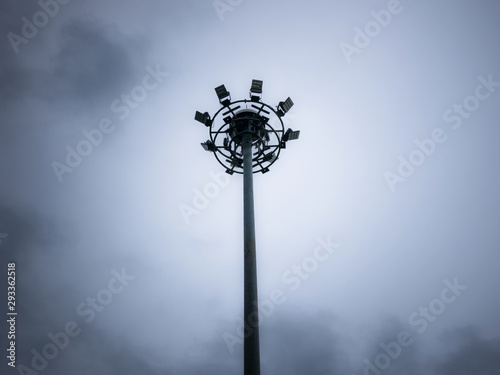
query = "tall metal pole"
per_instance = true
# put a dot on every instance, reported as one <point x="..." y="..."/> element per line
<point x="247" y="133"/>
<point x="251" y="339"/>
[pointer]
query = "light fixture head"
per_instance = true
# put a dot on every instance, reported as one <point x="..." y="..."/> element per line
<point x="237" y="162"/>
<point x="223" y="95"/>
<point x="291" y="135"/>
<point x="204" y="118"/>
<point x="209" y="146"/>
<point x="269" y="157"/>
<point x="284" y="107"/>
<point x="256" y="90"/>
<point x="240" y="122"/>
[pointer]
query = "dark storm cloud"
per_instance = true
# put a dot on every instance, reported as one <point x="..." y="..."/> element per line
<point x="114" y="212"/>
<point x="392" y="348"/>
<point x="82" y="59"/>
<point x="466" y="353"/>
<point x="35" y="242"/>
<point x="292" y="342"/>
<point x="314" y="343"/>
<point x="94" y="352"/>
<point x="47" y="295"/>
<point x="297" y="343"/>
<point x="469" y="353"/>
<point x="14" y="78"/>
<point x="93" y="60"/>
<point x="29" y="233"/>
<point x="209" y="356"/>
<point x="71" y="71"/>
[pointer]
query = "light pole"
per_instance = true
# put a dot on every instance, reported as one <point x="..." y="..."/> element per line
<point x="245" y="142"/>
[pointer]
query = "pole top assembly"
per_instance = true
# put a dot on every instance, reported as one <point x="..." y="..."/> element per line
<point x="246" y="121"/>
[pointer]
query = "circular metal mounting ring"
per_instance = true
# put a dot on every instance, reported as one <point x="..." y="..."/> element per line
<point x="256" y="118"/>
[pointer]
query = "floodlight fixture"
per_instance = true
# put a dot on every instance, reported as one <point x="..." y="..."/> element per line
<point x="209" y="146"/>
<point x="256" y="90"/>
<point x="223" y="95"/>
<point x="294" y="135"/>
<point x="245" y="140"/>
<point x="236" y="162"/>
<point x="204" y="118"/>
<point x="269" y="156"/>
<point x="291" y="135"/>
<point x="284" y="107"/>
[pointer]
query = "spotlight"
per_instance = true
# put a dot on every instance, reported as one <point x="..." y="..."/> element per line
<point x="223" y="95"/>
<point x="291" y="135"/>
<point x="284" y="107"/>
<point x="236" y="162"/>
<point x="256" y="90"/>
<point x="269" y="157"/>
<point x="204" y="118"/>
<point x="209" y="146"/>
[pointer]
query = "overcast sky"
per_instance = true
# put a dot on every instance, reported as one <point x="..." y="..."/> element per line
<point x="377" y="231"/>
